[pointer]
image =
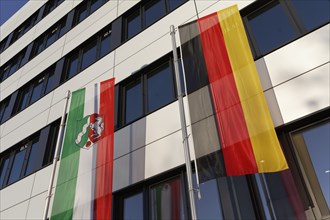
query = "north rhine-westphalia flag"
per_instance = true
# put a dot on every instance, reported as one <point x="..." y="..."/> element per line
<point x="84" y="183"/>
<point x="232" y="129"/>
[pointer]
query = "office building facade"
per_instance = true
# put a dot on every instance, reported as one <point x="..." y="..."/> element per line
<point x="49" y="47"/>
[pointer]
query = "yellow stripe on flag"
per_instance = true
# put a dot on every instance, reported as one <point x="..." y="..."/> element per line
<point x="266" y="147"/>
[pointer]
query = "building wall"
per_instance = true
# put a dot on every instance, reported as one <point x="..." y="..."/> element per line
<point x="295" y="79"/>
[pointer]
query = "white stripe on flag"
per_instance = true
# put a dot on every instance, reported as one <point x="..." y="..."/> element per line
<point x="84" y="198"/>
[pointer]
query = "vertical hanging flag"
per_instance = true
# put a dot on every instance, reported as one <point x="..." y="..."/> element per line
<point x="84" y="182"/>
<point x="232" y="128"/>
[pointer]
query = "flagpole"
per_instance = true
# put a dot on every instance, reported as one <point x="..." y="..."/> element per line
<point x="56" y="156"/>
<point x="183" y="127"/>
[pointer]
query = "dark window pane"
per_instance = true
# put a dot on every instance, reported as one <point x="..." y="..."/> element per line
<point x="38" y="47"/>
<point x="160" y="88"/>
<point x="37" y="91"/>
<point x="105" y="43"/>
<point x="134" y="106"/>
<point x="208" y="207"/>
<point x="95" y="4"/>
<point x="4" y="73"/>
<point x="312" y="13"/>
<point x="82" y="13"/>
<point x="134" y="25"/>
<point x="89" y="55"/>
<point x="166" y="201"/>
<point x="72" y="66"/>
<point x="24" y="99"/>
<point x="51" y="37"/>
<point x="34" y="157"/>
<point x="173" y="4"/>
<point x="154" y="11"/>
<point x="13" y="67"/>
<point x="62" y="29"/>
<point x="3" y="170"/>
<point x="50" y="7"/>
<point x="133" y="207"/>
<point x="313" y="146"/>
<point x="272" y="28"/>
<point x="16" y="169"/>
<point x="3" y="106"/>
<point x="50" y="83"/>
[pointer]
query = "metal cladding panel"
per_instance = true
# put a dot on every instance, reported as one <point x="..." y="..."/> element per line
<point x="16" y="193"/>
<point x="300" y="56"/>
<point x="35" y="210"/>
<point x="16" y="212"/>
<point x="305" y="94"/>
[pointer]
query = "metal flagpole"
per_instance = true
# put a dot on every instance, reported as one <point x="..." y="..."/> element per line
<point x="183" y="127"/>
<point x="56" y="156"/>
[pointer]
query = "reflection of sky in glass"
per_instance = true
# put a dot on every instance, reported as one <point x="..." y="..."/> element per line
<point x="133" y="207"/>
<point x="318" y="144"/>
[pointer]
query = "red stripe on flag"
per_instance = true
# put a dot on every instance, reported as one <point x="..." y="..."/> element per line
<point x="104" y="162"/>
<point x="236" y="145"/>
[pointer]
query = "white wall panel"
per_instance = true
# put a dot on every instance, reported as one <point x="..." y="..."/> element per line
<point x="300" y="56"/>
<point x="16" y="131"/>
<point x="305" y="94"/>
<point x="130" y="138"/>
<point x="129" y="169"/>
<point x="42" y="178"/>
<point x="164" y="155"/>
<point x="162" y="122"/>
<point x="16" y="212"/>
<point x="91" y="25"/>
<point x="211" y="6"/>
<point x="16" y="193"/>
<point x="35" y="208"/>
<point x="75" y="2"/>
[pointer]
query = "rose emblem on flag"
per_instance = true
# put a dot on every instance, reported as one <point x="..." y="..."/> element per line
<point x="90" y="130"/>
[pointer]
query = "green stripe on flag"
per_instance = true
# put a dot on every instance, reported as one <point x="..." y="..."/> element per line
<point x="67" y="178"/>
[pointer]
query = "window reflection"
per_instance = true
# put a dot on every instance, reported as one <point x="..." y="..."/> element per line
<point x="133" y="207"/>
<point x="313" y="147"/>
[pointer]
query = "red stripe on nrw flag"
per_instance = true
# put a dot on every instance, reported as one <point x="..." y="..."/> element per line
<point x="235" y="141"/>
<point x="104" y="162"/>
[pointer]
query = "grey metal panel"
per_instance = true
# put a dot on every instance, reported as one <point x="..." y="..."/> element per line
<point x="116" y="34"/>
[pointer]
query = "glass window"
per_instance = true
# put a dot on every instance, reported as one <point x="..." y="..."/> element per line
<point x="166" y="200"/>
<point x="133" y="101"/>
<point x="82" y="13"/>
<point x="72" y="66"/>
<point x="89" y="54"/>
<point x="312" y="13"/>
<point x="13" y="67"/>
<point x="209" y="206"/>
<point x="3" y="107"/>
<point x="313" y="147"/>
<point x="173" y="4"/>
<point x="50" y="7"/>
<point x="24" y="99"/>
<point x="16" y="169"/>
<point x="95" y="4"/>
<point x="105" y="43"/>
<point x="51" y="37"/>
<point x="39" y="46"/>
<point x="154" y="10"/>
<point x="134" y="24"/>
<point x="133" y="207"/>
<point x="37" y="91"/>
<point x="34" y="157"/>
<point x="3" y="169"/>
<point x="62" y="28"/>
<point x="271" y="28"/>
<point x="160" y="88"/>
<point x="5" y="72"/>
<point x="50" y="82"/>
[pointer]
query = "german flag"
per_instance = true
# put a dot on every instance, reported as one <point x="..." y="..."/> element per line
<point x="232" y="128"/>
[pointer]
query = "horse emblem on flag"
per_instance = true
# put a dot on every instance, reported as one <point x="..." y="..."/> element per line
<point x="90" y="130"/>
